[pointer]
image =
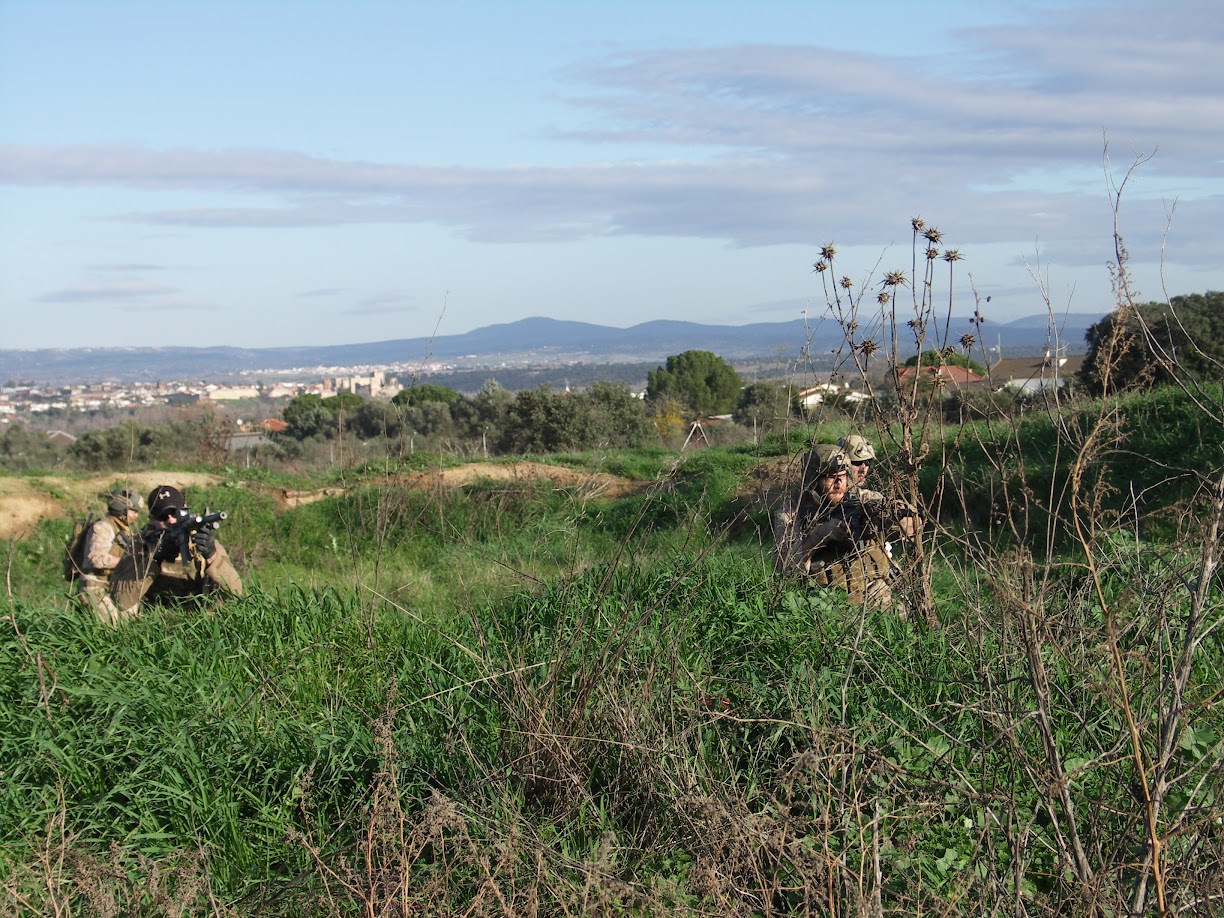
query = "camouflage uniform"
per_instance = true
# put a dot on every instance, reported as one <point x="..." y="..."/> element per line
<point x="841" y="545"/>
<point x="141" y="579"/>
<point x="108" y="541"/>
<point x="144" y="581"/>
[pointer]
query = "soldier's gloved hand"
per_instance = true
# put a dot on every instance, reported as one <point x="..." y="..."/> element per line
<point x="204" y="543"/>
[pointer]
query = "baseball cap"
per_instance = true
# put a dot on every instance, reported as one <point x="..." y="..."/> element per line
<point x="164" y="498"/>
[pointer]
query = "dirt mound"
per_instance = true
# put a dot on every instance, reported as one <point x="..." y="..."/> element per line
<point x="27" y="499"/>
<point x="590" y="484"/>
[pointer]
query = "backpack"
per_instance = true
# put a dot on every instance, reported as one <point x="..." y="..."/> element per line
<point x="74" y="548"/>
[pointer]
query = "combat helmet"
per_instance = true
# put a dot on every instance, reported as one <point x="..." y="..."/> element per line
<point x="121" y="501"/>
<point x="821" y="461"/>
<point x="857" y="448"/>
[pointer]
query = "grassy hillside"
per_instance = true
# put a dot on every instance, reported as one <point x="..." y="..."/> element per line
<point x="516" y="697"/>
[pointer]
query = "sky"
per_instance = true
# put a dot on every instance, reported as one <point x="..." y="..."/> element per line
<point x="301" y="172"/>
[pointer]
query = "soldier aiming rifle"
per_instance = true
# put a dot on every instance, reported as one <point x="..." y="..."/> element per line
<point x="177" y="558"/>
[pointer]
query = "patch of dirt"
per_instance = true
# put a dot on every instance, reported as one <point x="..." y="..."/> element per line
<point x="287" y="500"/>
<point x="24" y="500"/>
<point x="589" y="484"/>
<point x="767" y="484"/>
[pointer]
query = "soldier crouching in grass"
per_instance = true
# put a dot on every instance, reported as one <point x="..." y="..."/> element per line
<point x="107" y="542"/>
<point x="837" y="539"/>
<point x="164" y="571"/>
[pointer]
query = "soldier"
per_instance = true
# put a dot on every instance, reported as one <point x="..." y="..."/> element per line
<point x="107" y="541"/>
<point x="860" y="454"/>
<point x="156" y="573"/>
<point x="838" y="539"/>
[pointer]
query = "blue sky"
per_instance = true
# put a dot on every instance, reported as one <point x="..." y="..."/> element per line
<point x="289" y="173"/>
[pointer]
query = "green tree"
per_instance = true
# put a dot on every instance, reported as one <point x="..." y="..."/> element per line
<point x="430" y="419"/>
<point x="542" y="421"/>
<point x="1187" y="331"/>
<point x="310" y="416"/>
<point x="703" y="381"/>
<point x="618" y="417"/>
<point x="947" y="358"/>
<point x="22" y="449"/>
<point x="426" y="392"/>
<point x="763" y="406"/>
<point x="375" y="418"/>
<point x="481" y="416"/>
<point x="306" y="416"/>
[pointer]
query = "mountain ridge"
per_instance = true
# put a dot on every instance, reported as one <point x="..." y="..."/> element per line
<point x="534" y="340"/>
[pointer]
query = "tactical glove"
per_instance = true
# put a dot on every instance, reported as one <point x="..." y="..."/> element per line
<point x="204" y="543"/>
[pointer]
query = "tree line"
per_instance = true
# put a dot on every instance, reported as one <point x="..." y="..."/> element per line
<point x="607" y="414"/>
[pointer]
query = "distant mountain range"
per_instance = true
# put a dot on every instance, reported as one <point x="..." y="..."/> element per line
<point x="527" y="342"/>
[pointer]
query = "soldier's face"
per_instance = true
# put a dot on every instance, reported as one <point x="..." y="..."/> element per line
<point x="860" y="472"/>
<point x="131" y="516"/>
<point x="832" y="487"/>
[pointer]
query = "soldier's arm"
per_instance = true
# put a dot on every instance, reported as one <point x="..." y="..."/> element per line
<point x="103" y="551"/>
<point x="131" y="580"/>
<point x="894" y="518"/>
<point x="221" y="572"/>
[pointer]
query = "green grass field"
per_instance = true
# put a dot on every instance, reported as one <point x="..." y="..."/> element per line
<point x="509" y="698"/>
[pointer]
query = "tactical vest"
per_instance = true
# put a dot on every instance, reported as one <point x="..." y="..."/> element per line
<point x="852" y="571"/>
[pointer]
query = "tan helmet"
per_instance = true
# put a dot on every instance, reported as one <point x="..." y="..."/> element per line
<point x="857" y="448"/>
<point x="821" y="461"/>
<point x="123" y="500"/>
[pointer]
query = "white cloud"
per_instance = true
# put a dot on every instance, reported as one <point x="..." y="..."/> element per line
<point x="110" y="291"/>
<point x="383" y="304"/>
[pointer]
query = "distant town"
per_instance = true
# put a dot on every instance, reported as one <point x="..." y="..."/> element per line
<point x="19" y="400"/>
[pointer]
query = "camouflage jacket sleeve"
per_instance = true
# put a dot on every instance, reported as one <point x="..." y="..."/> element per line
<point x="104" y="549"/>
<point x="220" y="570"/>
<point x="132" y="577"/>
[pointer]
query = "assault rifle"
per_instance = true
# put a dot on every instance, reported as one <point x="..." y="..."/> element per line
<point x="872" y="516"/>
<point x="175" y="540"/>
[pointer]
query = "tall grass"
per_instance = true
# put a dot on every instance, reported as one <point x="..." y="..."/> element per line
<point x="682" y="738"/>
<point x="511" y="699"/>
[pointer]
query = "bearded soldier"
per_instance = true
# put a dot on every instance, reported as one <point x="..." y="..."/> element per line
<point x="835" y="539"/>
<point x="156" y="572"/>
<point x="107" y="541"/>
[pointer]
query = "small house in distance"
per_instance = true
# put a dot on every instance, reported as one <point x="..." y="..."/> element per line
<point x="947" y="376"/>
<point x="813" y="396"/>
<point x="1034" y="374"/>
